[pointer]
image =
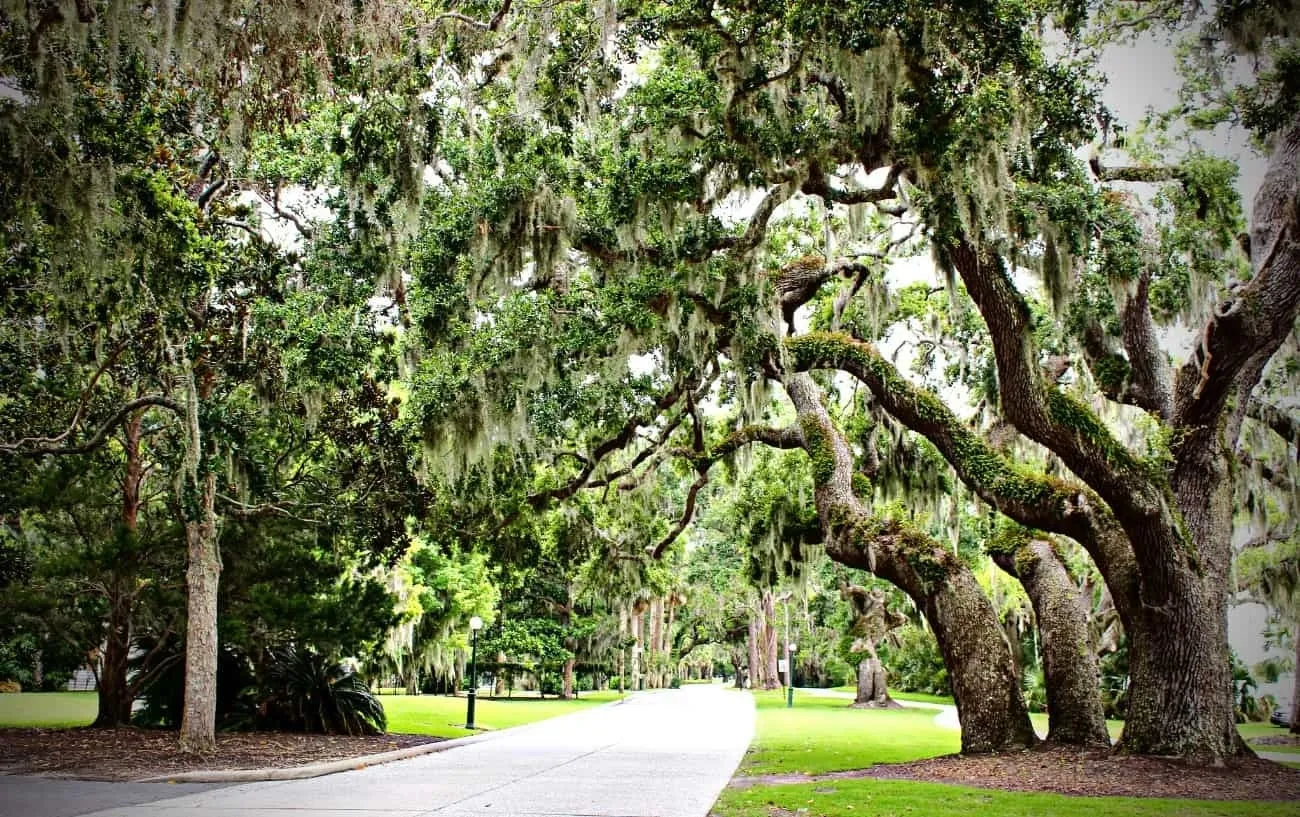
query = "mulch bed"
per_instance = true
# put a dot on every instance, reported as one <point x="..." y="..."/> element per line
<point x="131" y="754"/>
<point x="1067" y="770"/>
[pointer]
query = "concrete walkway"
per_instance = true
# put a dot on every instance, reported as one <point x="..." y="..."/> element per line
<point x="666" y="754"/>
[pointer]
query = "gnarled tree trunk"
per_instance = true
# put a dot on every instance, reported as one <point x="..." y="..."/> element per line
<point x="985" y="684"/>
<point x="1075" y="714"/>
<point x="872" y="690"/>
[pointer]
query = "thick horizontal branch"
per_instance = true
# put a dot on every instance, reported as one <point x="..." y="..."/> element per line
<point x="1284" y="424"/>
<point x="1047" y="415"/>
<point x="40" y="448"/>
<point x="1032" y="499"/>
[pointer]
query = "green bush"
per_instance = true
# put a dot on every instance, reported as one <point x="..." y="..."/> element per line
<point x="307" y="692"/>
<point x="914" y="662"/>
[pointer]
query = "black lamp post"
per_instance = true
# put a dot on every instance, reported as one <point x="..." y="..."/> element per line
<point x="475" y="624"/>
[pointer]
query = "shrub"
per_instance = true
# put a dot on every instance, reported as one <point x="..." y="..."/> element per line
<point x="307" y="692"/>
<point x="10" y="686"/>
<point x="915" y="663"/>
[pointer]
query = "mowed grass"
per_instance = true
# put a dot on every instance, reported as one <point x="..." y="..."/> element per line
<point x="890" y="798"/>
<point x="50" y="710"/>
<point x="436" y="715"/>
<point x="918" y="697"/>
<point x="824" y="735"/>
<point x="444" y="716"/>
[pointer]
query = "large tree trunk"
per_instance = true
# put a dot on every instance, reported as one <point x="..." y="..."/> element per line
<point x="1295" y="689"/>
<point x="499" y="677"/>
<point x="872" y="690"/>
<point x="1075" y="714"/>
<point x="771" y="669"/>
<point x="1180" y="693"/>
<point x="978" y="658"/>
<point x="199" y="720"/>
<point x="115" y="693"/>
<point x="203" y="573"/>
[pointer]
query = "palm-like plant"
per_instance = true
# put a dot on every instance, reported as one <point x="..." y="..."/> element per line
<point x="307" y="692"/>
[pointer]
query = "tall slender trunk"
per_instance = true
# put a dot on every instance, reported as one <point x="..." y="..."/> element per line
<point x="622" y="650"/>
<point x="114" y="692"/>
<point x="199" y="719"/>
<point x="1075" y="714"/>
<point x="637" y="622"/>
<point x="656" y="638"/>
<point x="771" y="671"/>
<point x="1295" y="689"/>
<point x="499" y="677"/>
<point x="666" y="647"/>
<point x="754" y="672"/>
<point x="199" y="491"/>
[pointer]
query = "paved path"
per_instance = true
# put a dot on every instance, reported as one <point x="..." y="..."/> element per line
<point x="25" y="796"/>
<point x="665" y="754"/>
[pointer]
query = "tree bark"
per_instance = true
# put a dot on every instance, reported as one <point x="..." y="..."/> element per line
<point x="755" y="676"/>
<point x="114" y="692"/>
<point x="986" y="687"/>
<point x="566" y="690"/>
<point x="499" y="677"/>
<point x="638" y="622"/>
<point x="199" y="720"/>
<point x="656" y="637"/>
<point x="198" y="483"/>
<point x="873" y="692"/>
<point x="1075" y="714"/>
<point x="1295" y="690"/>
<point x="771" y="670"/>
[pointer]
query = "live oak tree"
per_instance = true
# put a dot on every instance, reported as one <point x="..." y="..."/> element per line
<point x="634" y="221"/>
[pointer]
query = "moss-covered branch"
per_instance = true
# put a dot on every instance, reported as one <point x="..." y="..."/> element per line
<point x="1032" y="499"/>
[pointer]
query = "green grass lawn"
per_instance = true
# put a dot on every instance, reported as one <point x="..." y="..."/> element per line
<point x="823" y="734"/>
<point x="48" y="709"/>
<point x="444" y="716"/>
<point x="916" y="697"/>
<point x="437" y="715"/>
<point x="868" y="798"/>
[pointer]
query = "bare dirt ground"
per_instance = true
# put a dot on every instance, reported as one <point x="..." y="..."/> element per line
<point x="1066" y="770"/>
<point x="132" y="754"/>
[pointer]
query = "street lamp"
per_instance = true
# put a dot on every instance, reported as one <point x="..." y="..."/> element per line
<point x="790" y="648"/>
<point x="475" y="624"/>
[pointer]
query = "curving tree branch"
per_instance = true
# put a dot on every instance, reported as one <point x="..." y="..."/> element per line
<point x="41" y="447"/>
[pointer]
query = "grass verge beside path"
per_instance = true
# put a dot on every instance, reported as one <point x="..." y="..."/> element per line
<point x="436" y="715"/>
<point x="825" y="735"/>
<point x="860" y="798"/>
<point x="444" y="716"/>
<point x="48" y="710"/>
